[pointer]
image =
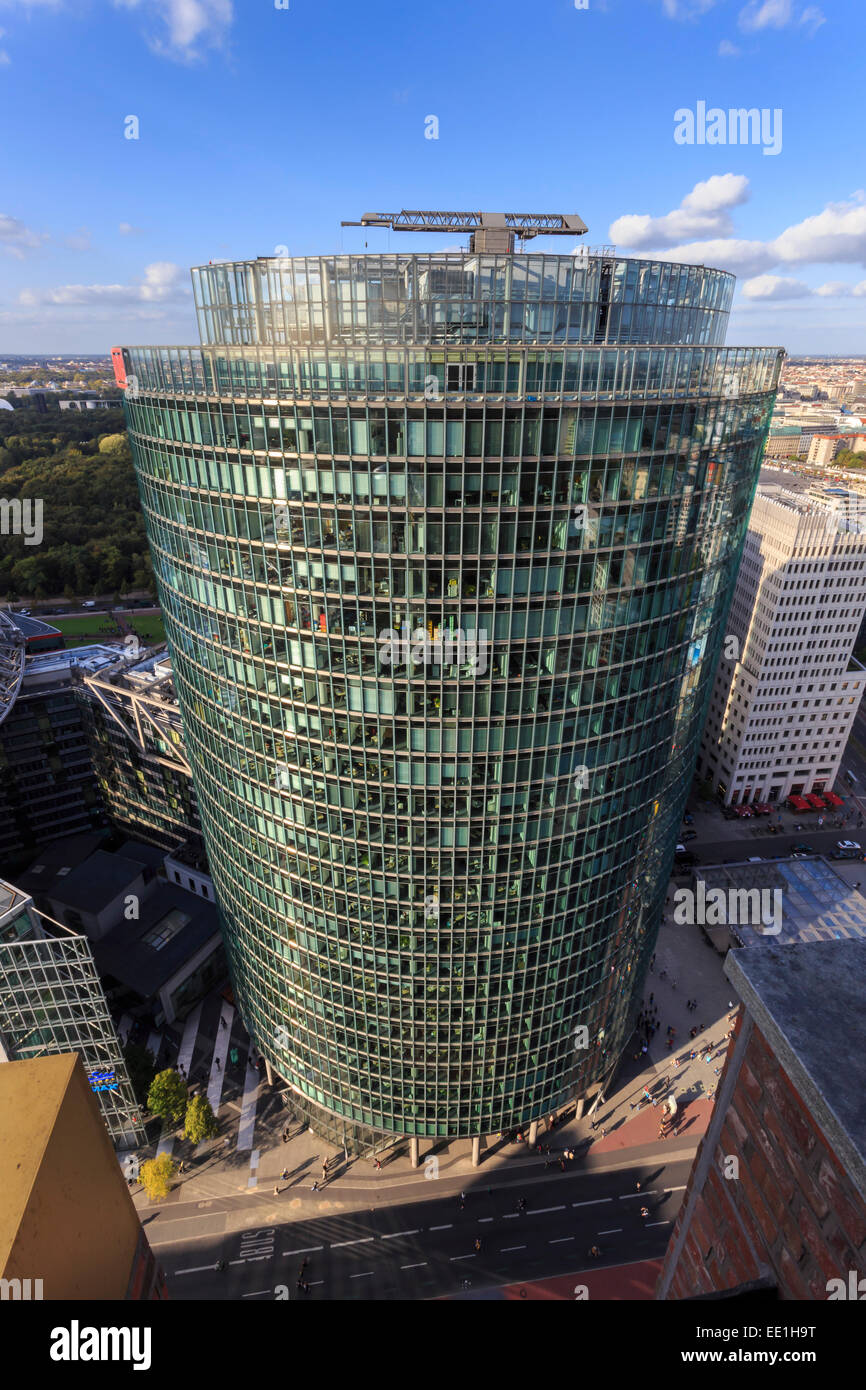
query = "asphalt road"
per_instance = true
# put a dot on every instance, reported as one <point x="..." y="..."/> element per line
<point x="422" y="1249"/>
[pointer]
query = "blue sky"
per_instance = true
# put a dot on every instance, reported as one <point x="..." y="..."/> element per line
<point x="262" y="126"/>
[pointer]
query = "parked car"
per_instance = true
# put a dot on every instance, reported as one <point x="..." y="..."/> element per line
<point x="89" y="603"/>
<point x="690" y="835"/>
<point x="847" y="844"/>
<point x="802" y="849"/>
<point x="762" y="808"/>
<point x="744" y="812"/>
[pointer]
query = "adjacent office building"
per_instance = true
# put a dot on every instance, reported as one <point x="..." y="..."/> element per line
<point x="68" y="1225"/>
<point x="133" y="729"/>
<point x="52" y="1001"/>
<point x="788" y="688"/>
<point x="444" y="546"/>
<point x="776" y="1198"/>
<point x="47" y="783"/>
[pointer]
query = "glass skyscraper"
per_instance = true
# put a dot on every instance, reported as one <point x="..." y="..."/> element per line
<point x="445" y="545"/>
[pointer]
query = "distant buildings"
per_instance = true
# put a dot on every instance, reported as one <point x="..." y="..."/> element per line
<point x="823" y="448"/>
<point x="788" y="688"/>
<point x="776" y="1198"/>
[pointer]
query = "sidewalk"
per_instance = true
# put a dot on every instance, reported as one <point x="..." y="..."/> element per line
<point x="223" y="1170"/>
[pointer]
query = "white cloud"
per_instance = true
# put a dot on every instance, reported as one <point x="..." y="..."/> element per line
<point x="703" y="212"/>
<point x="779" y="14"/>
<point x="837" y="235"/>
<point x="16" y="238"/>
<point x="840" y="289"/>
<point x="728" y="49"/>
<point x="163" y="281"/>
<point x="686" y="9"/>
<point x="811" y="19"/>
<point x="127" y="229"/>
<point x="189" y="26"/>
<point x="775" y="287"/>
<point x="765" y="14"/>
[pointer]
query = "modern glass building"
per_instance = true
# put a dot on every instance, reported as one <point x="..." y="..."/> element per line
<point x="445" y="545"/>
<point x="52" y="1001"/>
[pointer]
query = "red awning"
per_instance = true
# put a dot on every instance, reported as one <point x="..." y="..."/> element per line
<point x="832" y="799"/>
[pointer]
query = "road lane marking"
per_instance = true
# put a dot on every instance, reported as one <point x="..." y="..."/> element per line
<point x="307" y="1250"/>
<point x="658" y="1223"/>
<point x="442" y="1228"/>
<point x="395" y="1234"/>
<point x="257" y="1294"/>
<point x="420" y="1265"/>
<point x="614" y="1230"/>
<point x="198" y="1269"/>
<point x="506" y="1249"/>
<point x="462" y="1257"/>
<point x="542" y="1211"/>
<point x="368" y="1274"/>
<point x="362" y="1240"/>
<point x="559" y="1240"/>
<point x="593" y="1203"/>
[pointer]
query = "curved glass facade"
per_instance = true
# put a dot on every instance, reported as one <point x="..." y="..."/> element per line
<point x="442" y="622"/>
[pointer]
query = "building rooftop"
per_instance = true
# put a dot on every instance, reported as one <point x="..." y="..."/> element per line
<point x="33" y="627"/>
<point x="807" y="1000"/>
<point x="47" y="666"/>
<point x="817" y="903"/>
<point x="146" y="965"/>
<point x="32" y="1092"/>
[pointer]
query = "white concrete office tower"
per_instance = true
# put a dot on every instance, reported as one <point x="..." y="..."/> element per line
<point x="787" y="687"/>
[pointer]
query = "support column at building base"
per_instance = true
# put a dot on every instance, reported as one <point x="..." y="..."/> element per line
<point x="533" y="1134"/>
<point x="414" y="1157"/>
<point x="269" y="1072"/>
<point x="476" y="1151"/>
<point x="578" y="1109"/>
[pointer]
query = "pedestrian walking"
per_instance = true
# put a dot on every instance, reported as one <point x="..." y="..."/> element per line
<point x="603" y="1132"/>
<point x="378" y="1165"/>
<point x="315" y="1187"/>
<point x="477" y="1243"/>
<point x="637" y="1187"/>
<point x="222" y="1023"/>
<point x="218" y="1063"/>
<point x="276" y="1191"/>
<point x="644" y="1211"/>
<point x="284" y="1175"/>
<point x="521" y="1204"/>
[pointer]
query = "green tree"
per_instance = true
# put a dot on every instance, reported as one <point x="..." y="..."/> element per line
<point x="113" y="444"/>
<point x="167" y="1096"/>
<point x="155" y="1176"/>
<point x="200" y="1122"/>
